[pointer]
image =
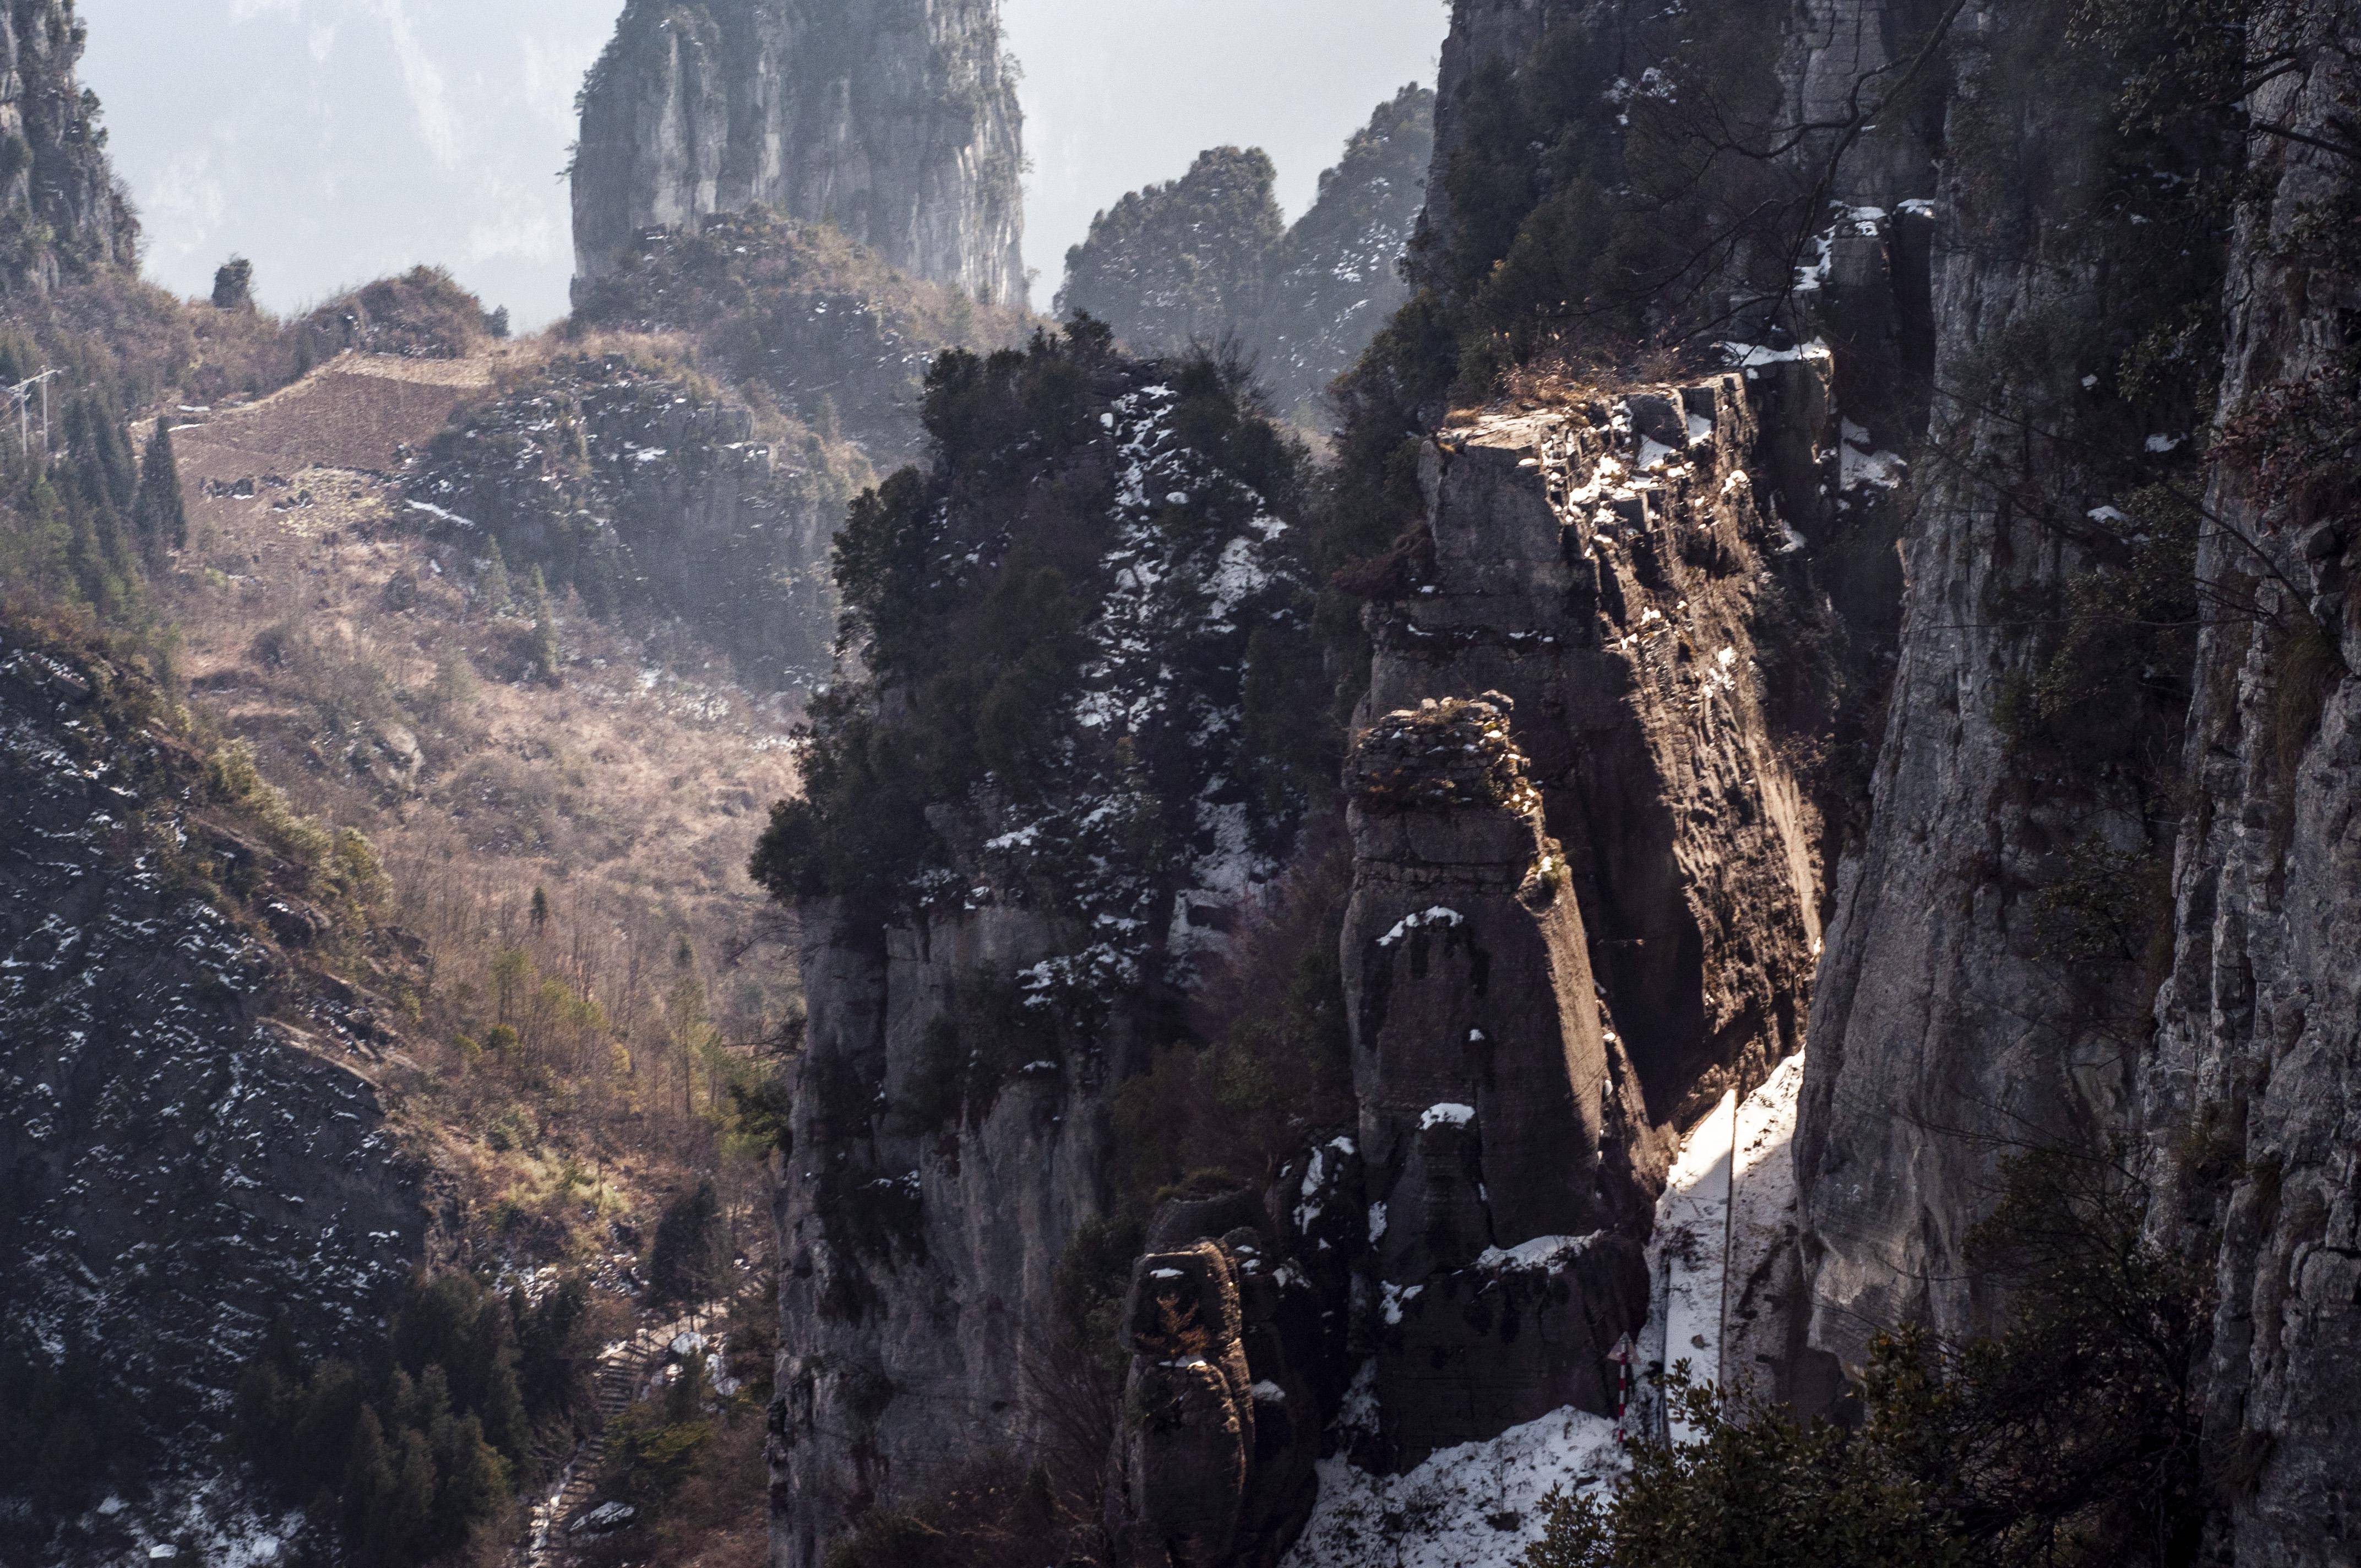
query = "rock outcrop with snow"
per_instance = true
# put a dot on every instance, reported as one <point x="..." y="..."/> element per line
<point x="650" y="497"/>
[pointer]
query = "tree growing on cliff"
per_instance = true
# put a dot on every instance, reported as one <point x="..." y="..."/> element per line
<point x="233" y="285"/>
<point x="2069" y="1440"/>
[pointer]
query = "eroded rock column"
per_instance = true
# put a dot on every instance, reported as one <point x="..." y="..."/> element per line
<point x="1497" y="1111"/>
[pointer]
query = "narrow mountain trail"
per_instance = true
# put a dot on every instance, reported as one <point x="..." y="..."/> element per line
<point x="624" y="1370"/>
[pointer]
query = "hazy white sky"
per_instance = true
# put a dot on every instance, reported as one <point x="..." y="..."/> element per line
<point x="333" y="141"/>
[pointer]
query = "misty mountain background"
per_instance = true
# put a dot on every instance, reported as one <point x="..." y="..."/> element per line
<point x="331" y="141"/>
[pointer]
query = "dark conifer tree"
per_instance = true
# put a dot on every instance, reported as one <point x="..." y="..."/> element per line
<point x="160" y="517"/>
<point x="684" y="1263"/>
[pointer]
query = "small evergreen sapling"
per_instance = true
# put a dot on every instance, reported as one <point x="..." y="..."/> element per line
<point x="494" y="584"/>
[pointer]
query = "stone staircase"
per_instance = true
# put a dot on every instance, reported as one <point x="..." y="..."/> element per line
<point x="625" y="1368"/>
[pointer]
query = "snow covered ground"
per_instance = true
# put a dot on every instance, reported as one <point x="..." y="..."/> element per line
<point x="1692" y="1233"/>
<point x="1763" y="1270"/>
<point x="1725" y="1211"/>
<point x="1476" y="1506"/>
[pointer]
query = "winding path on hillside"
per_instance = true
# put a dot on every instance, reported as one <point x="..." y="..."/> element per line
<point x="624" y="1369"/>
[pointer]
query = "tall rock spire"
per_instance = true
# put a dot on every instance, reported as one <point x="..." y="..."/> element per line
<point x="61" y="209"/>
<point x="896" y="120"/>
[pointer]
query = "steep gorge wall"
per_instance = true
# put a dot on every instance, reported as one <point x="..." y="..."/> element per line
<point x="1611" y="858"/>
<point x="896" y="120"/>
<point x="2247" y="1102"/>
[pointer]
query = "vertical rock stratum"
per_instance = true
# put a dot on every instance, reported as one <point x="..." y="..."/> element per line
<point x="896" y="120"/>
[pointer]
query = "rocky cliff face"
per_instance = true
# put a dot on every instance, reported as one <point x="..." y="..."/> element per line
<point x="191" y="1141"/>
<point x="61" y="210"/>
<point x="896" y="120"/>
<point x="648" y="498"/>
<point x="1004" y="950"/>
<point x="1878" y="679"/>
<point x="2246" y="1102"/>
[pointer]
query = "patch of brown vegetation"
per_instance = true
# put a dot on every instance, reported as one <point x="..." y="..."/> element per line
<point x="576" y="1054"/>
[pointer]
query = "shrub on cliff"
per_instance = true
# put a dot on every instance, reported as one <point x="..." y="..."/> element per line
<point x="2069" y="1439"/>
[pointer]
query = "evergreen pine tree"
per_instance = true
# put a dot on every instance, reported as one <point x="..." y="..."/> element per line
<point x="159" y="516"/>
<point x="369" y="1477"/>
<point x="120" y="559"/>
<point x="493" y="1392"/>
<point x="111" y="448"/>
<point x="406" y="1533"/>
<point x="470" y="1480"/>
<point x="684" y="1263"/>
<point x="544" y="628"/>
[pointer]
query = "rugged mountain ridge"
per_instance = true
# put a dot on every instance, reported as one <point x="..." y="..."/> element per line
<point x="896" y="120"/>
<point x="1208" y="258"/>
<point x="196" y="1154"/>
<point x="823" y="325"/>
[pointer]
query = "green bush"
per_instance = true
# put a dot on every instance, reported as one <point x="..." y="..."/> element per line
<point x="687" y="1260"/>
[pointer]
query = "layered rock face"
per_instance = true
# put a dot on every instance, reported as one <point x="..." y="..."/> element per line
<point x="61" y="211"/>
<point x="896" y="120"/>
<point x="1504" y="1139"/>
<point x="1603" y="568"/>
